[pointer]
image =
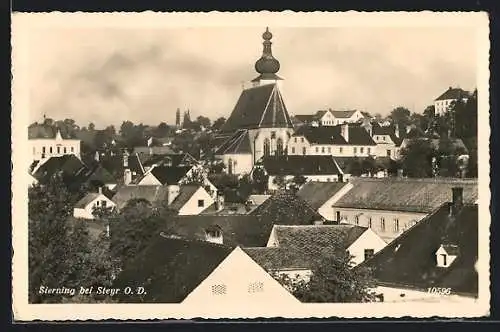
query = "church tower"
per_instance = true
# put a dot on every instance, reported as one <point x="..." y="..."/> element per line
<point x="178" y="118"/>
<point x="259" y="125"/>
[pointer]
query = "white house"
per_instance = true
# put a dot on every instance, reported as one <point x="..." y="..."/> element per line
<point x="191" y="200"/>
<point x="43" y="144"/>
<point x="326" y="118"/>
<point x="85" y="207"/>
<point x="446" y="99"/>
<point x="254" y="286"/>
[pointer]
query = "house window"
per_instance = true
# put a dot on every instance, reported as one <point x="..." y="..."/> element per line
<point x="356" y="220"/>
<point x="329" y="150"/>
<point x="369" y="253"/>
<point x="201" y="203"/>
<point x="72" y="149"/>
<point x="230" y="166"/>
<point x="43" y="149"/>
<point x="338" y="215"/>
<point x="323" y="149"/>
<point x="340" y="150"/>
<point x="368" y="150"/>
<point x="369" y="222"/>
<point x="388" y="153"/>
<point x="396" y="225"/>
<point x="267" y="147"/>
<point x="302" y="139"/>
<point x="383" y="138"/>
<point x="104" y="203"/>
<point x="219" y="289"/>
<point x="64" y="150"/>
<point x="444" y="256"/>
<point x="97" y="203"/>
<point x="50" y="149"/>
<point x="304" y="150"/>
<point x="295" y="140"/>
<point x="256" y="287"/>
<point x="273" y="134"/>
<point x="58" y="149"/>
<point x="355" y="150"/>
<point x="360" y="150"/>
<point x="317" y="149"/>
<point x="293" y="150"/>
<point x="382" y="224"/>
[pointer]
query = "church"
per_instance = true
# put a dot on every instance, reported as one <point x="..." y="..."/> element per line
<point x="259" y="124"/>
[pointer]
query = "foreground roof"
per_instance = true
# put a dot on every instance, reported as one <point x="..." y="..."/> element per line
<point x="169" y="269"/>
<point x="318" y="193"/>
<point x="152" y="194"/>
<point x="409" y="261"/>
<point x="301" y="165"/>
<point x="69" y="165"/>
<point x="410" y="195"/>
<point x="259" y="107"/>
<point x="239" y="143"/>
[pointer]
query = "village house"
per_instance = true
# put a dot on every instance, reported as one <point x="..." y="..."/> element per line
<point x="294" y="250"/>
<point x="313" y="168"/>
<point x="346" y="140"/>
<point x="191" y="200"/>
<point x="259" y="124"/>
<point x="70" y="167"/>
<point x="155" y="146"/>
<point x="329" y="118"/>
<point x="46" y="142"/>
<point x="436" y="256"/>
<point x="388" y="140"/>
<point x="198" y="272"/>
<point x="446" y="99"/>
<point x="85" y="207"/>
<point x="392" y="205"/>
<point x="322" y="195"/>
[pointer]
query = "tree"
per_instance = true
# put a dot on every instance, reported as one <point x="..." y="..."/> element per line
<point x="417" y="159"/>
<point x="91" y="126"/>
<point x="368" y="166"/>
<point x="280" y="182"/>
<point x="333" y="280"/>
<point x="203" y="121"/>
<point x="260" y="180"/>
<point x="401" y="116"/>
<point x="217" y="125"/>
<point x="298" y="181"/>
<point x="162" y="130"/>
<point x="60" y="253"/>
<point x="354" y="167"/>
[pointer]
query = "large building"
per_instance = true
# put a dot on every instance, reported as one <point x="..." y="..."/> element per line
<point x="444" y="101"/>
<point x="46" y="142"/>
<point x="259" y="124"/>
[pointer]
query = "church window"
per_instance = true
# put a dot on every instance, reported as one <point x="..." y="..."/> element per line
<point x="267" y="147"/>
<point x="279" y="147"/>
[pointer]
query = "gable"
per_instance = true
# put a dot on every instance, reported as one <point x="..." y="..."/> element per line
<point x="253" y="286"/>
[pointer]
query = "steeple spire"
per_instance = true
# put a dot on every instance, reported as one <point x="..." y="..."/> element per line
<point x="267" y="66"/>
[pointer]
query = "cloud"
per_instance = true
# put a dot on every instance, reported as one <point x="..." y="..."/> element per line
<point x="107" y="76"/>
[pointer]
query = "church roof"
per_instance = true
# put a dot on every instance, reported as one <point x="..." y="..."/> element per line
<point x="259" y="107"/>
<point x="239" y="143"/>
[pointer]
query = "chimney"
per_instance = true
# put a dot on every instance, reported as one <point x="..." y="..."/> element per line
<point x="457" y="199"/>
<point x="100" y="190"/>
<point x="172" y="193"/>
<point x="125" y="159"/>
<point x="396" y="130"/>
<point x="344" y="131"/>
<point x="127" y="176"/>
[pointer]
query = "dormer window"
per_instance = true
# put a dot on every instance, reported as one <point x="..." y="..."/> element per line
<point x="446" y="254"/>
<point x="214" y="234"/>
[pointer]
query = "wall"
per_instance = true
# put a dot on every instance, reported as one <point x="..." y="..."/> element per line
<point x="191" y="207"/>
<point x="36" y="147"/>
<point x="330" y="150"/>
<point x="367" y="240"/>
<point x="406" y="220"/>
<point x="239" y="290"/>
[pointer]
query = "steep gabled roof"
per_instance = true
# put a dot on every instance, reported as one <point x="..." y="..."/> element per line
<point x="86" y="200"/>
<point x="410" y="261"/>
<point x="301" y="165"/>
<point x="114" y="164"/>
<point x="69" y="165"/>
<point x="169" y="174"/>
<point x="259" y="107"/>
<point x="185" y="193"/>
<point x="453" y="93"/>
<point x="239" y="143"/>
<point x="410" y="195"/>
<point x="153" y="194"/>
<point x="318" y="193"/>
<point x="169" y="269"/>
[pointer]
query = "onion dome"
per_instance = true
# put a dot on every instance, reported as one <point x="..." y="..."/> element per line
<point x="267" y="64"/>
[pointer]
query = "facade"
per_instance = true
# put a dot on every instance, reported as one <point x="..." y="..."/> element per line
<point x="259" y="125"/>
<point x="444" y="101"/>
<point x="43" y="145"/>
<point x="440" y="251"/>
<point x="391" y="206"/>
<point x="253" y="286"/>
<point x="85" y="207"/>
<point x="341" y="141"/>
<point x="191" y="200"/>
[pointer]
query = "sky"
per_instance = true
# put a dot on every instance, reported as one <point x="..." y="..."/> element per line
<point x="109" y="75"/>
